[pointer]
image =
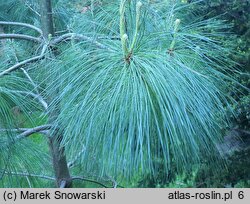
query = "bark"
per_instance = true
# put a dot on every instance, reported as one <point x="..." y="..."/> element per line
<point x="46" y="18"/>
<point x="62" y="175"/>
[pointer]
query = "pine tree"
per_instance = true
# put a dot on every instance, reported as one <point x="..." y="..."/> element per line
<point x="109" y="88"/>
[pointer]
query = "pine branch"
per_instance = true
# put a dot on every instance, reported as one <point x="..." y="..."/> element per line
<point x="28" y="174"/>
<point x="29" y="131"/>
<point x="35" y="96"/>
<point x="20" y="64"/>
<point x="78" y="37"/>
<point x="52" y="178"/>
<point x="38" y="95"/>
<point x="45" y="127"/>
<point x="22" y="24"/>
<point x="25" y="132"/>
<point x="89" y="180"/>
<point x="20" y="37"/>
<point x="30" y="79"/>
<point x="20" y="130"/>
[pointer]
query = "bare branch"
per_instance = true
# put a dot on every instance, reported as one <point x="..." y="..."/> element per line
<point x="89" y="180"/>
<point x="25" y="132"/>
<point x="20" y="37"/>
<point x="74" y="36"/>
<point x="52" y="178"/>
<point x="31" y="131"/>
<point x="30" y="79"/>
<point x="22" y="24"/>
<point x="20" y="130"/>
<point x="38" y="96"/>
<point x="20" y="64"/>
<point x="16" y="66"/>
<point x="35" y="96"/>
<point x="28" y="174"/>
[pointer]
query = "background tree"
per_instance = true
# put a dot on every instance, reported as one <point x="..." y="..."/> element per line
<point x="120" y="88"/>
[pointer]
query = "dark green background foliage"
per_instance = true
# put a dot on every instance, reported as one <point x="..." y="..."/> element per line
<point x="237" y="14"/>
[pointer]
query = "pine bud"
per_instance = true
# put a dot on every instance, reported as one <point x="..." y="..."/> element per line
<point x="176" y="24"/>
<point x="125" y="37"/>
<point x="138" y="5"/>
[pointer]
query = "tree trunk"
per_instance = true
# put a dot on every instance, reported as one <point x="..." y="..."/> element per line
<point x="63" y="178"/>
<point x="46" y="18"/>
